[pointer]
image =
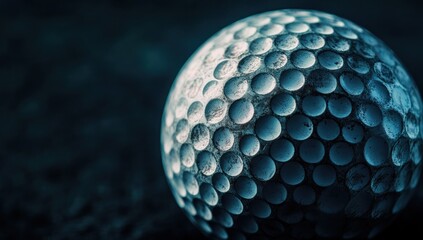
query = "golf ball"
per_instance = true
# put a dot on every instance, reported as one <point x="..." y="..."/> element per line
<point x="292" y="123"/>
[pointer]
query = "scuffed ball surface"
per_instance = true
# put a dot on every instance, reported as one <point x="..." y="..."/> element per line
<point x="292" y="123"/>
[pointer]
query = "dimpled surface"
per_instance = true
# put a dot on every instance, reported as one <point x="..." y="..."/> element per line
<point x="292" y="124"/>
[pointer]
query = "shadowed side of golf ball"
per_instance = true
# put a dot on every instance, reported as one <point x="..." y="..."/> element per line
<point x="296" y="124"/>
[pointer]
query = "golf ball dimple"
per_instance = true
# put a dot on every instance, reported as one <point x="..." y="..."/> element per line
<point x="292" y="123"/>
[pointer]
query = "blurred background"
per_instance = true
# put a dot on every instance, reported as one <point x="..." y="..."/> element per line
<point x="82" y="88"/>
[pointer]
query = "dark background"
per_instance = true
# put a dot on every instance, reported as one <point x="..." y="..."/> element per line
<point x="82" y="88"/>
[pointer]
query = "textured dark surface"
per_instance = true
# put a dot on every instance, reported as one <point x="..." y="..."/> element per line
<point x="82" y="86"/>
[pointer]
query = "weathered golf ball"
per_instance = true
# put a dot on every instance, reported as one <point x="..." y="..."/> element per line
<point x="292" y="124"/>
